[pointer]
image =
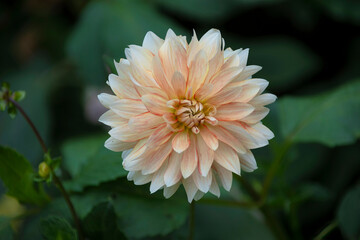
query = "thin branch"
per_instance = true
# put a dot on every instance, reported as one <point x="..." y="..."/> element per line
<point x="41" y="141"/>
<point x="326" y="230"/>
<point x="56" y="179"/>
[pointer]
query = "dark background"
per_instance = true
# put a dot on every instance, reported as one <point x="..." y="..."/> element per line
<point x="60" y="52"/>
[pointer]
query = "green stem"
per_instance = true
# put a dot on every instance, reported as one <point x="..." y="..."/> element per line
<point x="192" y="221"/>
<point x="326" y="230"/>
<point x="274" y="168"/>
<point x="56" y="179"/>
<point x="270" y="219"/>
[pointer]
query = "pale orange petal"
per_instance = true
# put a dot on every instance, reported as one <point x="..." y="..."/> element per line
<point x="157" y="158"/>
<point x="155" y="104"/>
<point x="205" y="154"/>
<point x="159" y="136"/>
<point x="227" y="158"/>
<point x="225" y="136"/>
<point x="190" y="158"/>
<point x="256" y="116"/>
<point x="178" y="84"/>
<point x="233" y="111"/>
<point x="173" y="171"/>
<point x="198" y="71"/>
<point x="128" y="108"/>
<point x="181" y="141"/>
<point x="209" y="138"/>
<point x="145" y="121"/>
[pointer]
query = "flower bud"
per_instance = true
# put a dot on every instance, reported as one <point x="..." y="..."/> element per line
<point x="44" y="170"/>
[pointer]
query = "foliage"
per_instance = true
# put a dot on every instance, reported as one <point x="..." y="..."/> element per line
<point x="60" y="52"/>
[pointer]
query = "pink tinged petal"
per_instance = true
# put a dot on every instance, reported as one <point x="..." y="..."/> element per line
<point x="248" y="162"/>
<point x="266" y="132"/>
<point x="173" y="171"/>
<point x="190" y="158"/>
<point x="203" y="183"/>
<point x="226" y="137"/>
<point x="145" y="121"/>
<point x="209" y="138"/>
<point x="118" y="146"/>
<point x="138" y="178"/>
<point x="190" y="188"/>
<point x="112" y="119"/>
<point x="205" y="155"/>
<point x="256" y="116"/>
<point x="121" y="88"/>
<point x="128" y="108"/>
<point x="214" y="188"/>
<point x="227" y="158"/>
<point x="157" y="181"/>
<point x="160" y="136"/>
<point x="160" y="77"/>
<point x="181" y="141"/>
<point x="223" y="78"/>
<point x="192" y="49"/>
<point x="198" y="71"/>
<point x="227" y="95"/>
<point x="125" y="134"/>
<point x="173" y="57"/>
<point x="136" y="153"/>
<point x="204" y="92"/>
<point x="169" y="191"/>
<point x="243" y="57"/>
<point x="107" y="99"/>
<point x="155" y="104"/>
<point x="224" y="175"/>
<point x="152" y="42"/>
<point x="242" y="133"/>
<point x="263" y="99"/>
<point x="179" y="84"/>
<point x="157" y="158"/>
<point x="233" y="111"/>
<point x="169" y="118"/>
<point x="248" y="93"/>
<point x="214" y="65"/>
<point x="210" y="42"/>
<point x="233" y="60"/>
<point x="170" y="34"/>
<point x="198" y="195"/>
<point x="248" y="72"/>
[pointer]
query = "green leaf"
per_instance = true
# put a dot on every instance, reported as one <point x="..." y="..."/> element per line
<point x="101" y="223"/>
<point x="17" y="175"/>
<point x="219" y="222"/>
<point x="349" y="214"/>
<point x="19" y="95"/>
<point x="108" y="27"/>
<point x="90" y="163"/>
<point x="139" y="216"/>
<point x="2" y="105"/>
<point x="28" y="79"/>
<point x="331" y="118"/>
<point x="57" y="228"/>
<point x="6" y="232"/>
<point x="12" y="110"/>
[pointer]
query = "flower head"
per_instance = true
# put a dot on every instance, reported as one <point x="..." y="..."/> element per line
<point x="186" y="113"/>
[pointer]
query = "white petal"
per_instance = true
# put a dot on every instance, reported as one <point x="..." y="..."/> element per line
<point x="203" y="183"/>
<point x="118" y="146"/>
<point x="107" y="99"/>
<point x="224" y="175"/>
<point x="173" y="171"/>
<point x="248" y="162"/>
<point x="169" y="191"/>
<point x="227" y="158"/>
<point x="152" y="42"/>
<point x="190" y="188"/>
<point x="157" y="181"/>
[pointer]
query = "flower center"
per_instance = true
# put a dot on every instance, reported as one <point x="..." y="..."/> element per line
<point x="191" y="114"/>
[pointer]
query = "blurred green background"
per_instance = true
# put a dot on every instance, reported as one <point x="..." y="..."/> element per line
<point x="61" y="51"/>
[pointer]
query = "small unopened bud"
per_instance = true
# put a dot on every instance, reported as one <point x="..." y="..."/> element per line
<point x="44" y="170"/>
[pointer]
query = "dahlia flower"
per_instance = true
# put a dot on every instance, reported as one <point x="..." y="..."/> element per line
<point x="186" y="113"/>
